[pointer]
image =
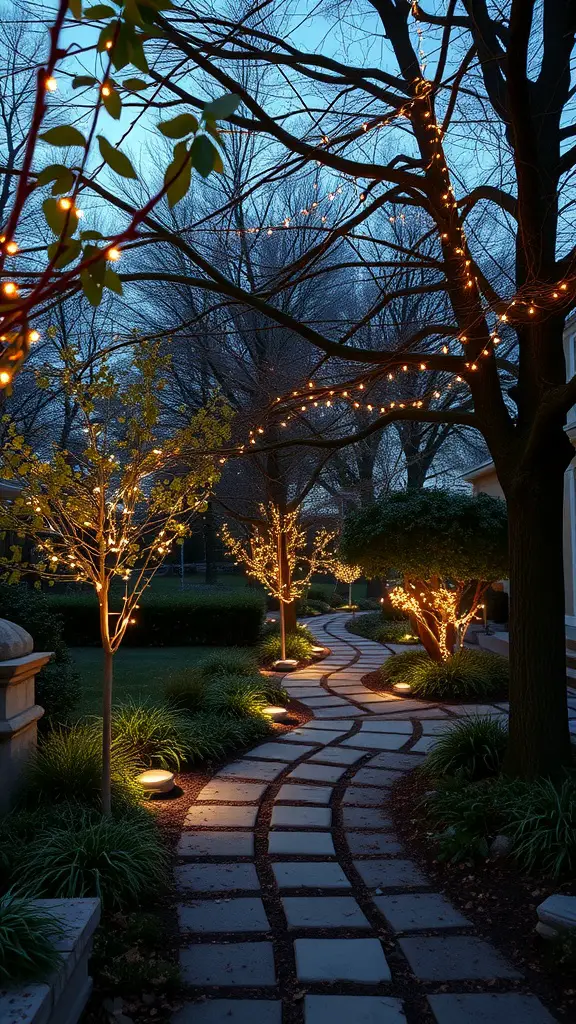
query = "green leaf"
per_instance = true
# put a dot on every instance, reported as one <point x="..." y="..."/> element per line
<point x="91" y="288"/>
<point x="50" y="173"/>
<point x="178" y="175"/>
<point x="203" y="155"/>
<point x="82" y="80"/>
<point x="58" y="220"/>
<point x="178" y="127"/>
<point x="112" y="102"/>
<point x="106" y="36"/>
<point x="75" y="6"/>
<point x="64" y="135"/>
<point x="218" y="163"/>
<point x="69" y="251"/>
<point x="132" y="12"/>
<point x="99" y="11"/>
<point x="136" y="53"/>
<point x="224" y="106"/>
<point x="134" y="84"/>
<point x="90" y="236"/>
<point x="63" y="184"/>
<point x="113" y="282"/>
<point x="115" y="159"/>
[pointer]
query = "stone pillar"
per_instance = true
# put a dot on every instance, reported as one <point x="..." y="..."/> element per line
<point x="19" y="712"/>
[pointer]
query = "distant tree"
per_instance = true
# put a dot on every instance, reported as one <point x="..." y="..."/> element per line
<point x="448" y="547"/>
<point x="109" y="511"/>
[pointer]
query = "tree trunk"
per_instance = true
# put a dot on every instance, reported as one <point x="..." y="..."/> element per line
<point x="539" y="743"/>
<point x="290" y="617"/>
<point x="107" y="732"/>
<point x="210" y="575"/>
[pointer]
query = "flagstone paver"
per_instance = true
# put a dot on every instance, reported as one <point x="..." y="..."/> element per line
<point x="358" y="960"/>
<point x="324" y="912"/>
<point x="333" y="771"/>
<point x="353" y="1010"/>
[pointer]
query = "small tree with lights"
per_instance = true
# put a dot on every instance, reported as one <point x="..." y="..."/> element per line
<point x="109" y="510"/>
<point x="346" y="573"/>
<point x="279" y="539"/>
<point x="448" y="547"/>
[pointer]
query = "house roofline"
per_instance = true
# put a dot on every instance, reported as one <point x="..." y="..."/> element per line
<point x="477" y="471"/>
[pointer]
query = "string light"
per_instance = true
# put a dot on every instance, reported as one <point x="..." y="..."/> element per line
<point x="51" y="84"/>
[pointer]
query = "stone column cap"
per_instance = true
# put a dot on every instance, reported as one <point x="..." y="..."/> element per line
<point x="15" y="669"/>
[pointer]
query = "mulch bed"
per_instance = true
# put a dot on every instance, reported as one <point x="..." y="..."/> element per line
<point x="499" y="901"/>
<point x="158" y="1003"/>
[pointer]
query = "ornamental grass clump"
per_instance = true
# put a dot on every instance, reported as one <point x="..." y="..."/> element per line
<point x="473" y="748"/>
<point x="467" y="675"/>
<point x="542" y="827"/>
<point x="154" y="734"/>
<point x="184" y="691"/>
<point x="233" y="662"/>
<point x="384" y="631"/>
<point x="211" y="737"/>
<point x="27" y="934"/>
<point x="119" y="860"/>
<point x="298" y="648"/>
<point x="238" y="696"/>
<point x="68" y="767"/>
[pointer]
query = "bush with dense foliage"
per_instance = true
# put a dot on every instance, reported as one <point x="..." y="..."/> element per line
<point x="468" y="674"/>
<point x="430" y="532"/>
<point x="374" y="627"/>
<point x="473" y="748"/>
<point x="239" y="696"/>
<point x="121" y="860"/>
<point x="181" y="618"/>
<point x="27" y="935"/>
<point x="58" y="683"/>
<point x="228" y="663"/>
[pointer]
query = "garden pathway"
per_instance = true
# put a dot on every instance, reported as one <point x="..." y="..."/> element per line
<point x="298" y="905"/>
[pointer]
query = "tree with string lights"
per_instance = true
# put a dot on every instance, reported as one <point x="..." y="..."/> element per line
<point x="346" y="573"/>
<point x="279" y="555"/>
<point x="108" y="510"/>
<point x="466" y="128"/>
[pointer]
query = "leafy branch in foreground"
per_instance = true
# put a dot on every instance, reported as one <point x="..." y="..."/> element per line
<point x="75" y="259"/>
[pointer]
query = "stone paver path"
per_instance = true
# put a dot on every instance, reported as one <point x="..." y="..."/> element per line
<point x="298" y="904"/>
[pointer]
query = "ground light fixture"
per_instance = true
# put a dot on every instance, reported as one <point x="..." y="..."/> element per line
<point x="402" y="687"/>
<point x="317" y="651"/>
<point x="155" y="780"/>
<point x="286" y="665"/>
<point x="276" y="713"/>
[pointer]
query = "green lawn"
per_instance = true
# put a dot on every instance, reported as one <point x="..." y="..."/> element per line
<point x="139" y="672"/>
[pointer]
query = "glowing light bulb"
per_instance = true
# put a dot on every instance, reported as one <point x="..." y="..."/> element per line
<point x="51" y="84"/>
<point x="11" y="248"/>
<point x="10" y="289"/>
<point x="33" y="336"/>
<point x="4" y="377"/>
<point x="113" y="254"/>
<point x="65" y="204"/>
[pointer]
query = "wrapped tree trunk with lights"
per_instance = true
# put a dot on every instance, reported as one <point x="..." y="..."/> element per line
<point x="447" y="547"/>
<point x="279" y="555"/>
<point x="108" y="510"/>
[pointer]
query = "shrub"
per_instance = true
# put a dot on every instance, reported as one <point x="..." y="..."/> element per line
<point x="68" y="766"/>
<point x="314" y="608"/>
<point x="239" y="696"/>
<point x="119" y="860"/>
<point x="473" y="749"/>
<point x="467" y="675"/>
<point x="273" y="629"/>
<point x="177" y="619"/>
<point x="27" y="934"/>
<point x="155" y="735"/>
<point x="374" y="627"/>
<point x="470" y="815"/>
<point x="298" y="646"/>
<point x="228" y="663"/>
<point x="319" y="594"/>
<point x="58" y="683"/>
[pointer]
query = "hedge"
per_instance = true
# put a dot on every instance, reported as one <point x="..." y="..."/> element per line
<point x="176" y="620"/>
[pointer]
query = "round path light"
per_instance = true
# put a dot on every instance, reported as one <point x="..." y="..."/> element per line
<point x="156" y="781"/>
<point x="402" y="687"/>
<point x="276" y="713"/>
<point x="288" y="665"/>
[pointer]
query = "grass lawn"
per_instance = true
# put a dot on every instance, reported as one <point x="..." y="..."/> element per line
<point x="139" y="672"/>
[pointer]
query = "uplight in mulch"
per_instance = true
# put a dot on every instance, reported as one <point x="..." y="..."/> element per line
<point x="402" y="687"/>
<point x="156" y="781"/>
<point x="276" y="713"/>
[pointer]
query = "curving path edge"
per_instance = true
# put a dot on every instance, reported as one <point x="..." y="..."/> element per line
<point x="298" y="905"/>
